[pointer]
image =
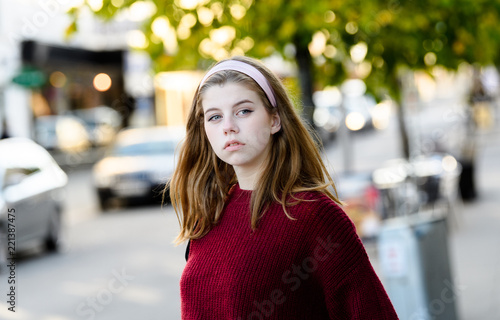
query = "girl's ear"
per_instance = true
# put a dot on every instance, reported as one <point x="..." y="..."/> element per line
<point x="276" y="126"/>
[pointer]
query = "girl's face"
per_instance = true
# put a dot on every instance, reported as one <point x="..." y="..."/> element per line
<point x="238" y="125"/>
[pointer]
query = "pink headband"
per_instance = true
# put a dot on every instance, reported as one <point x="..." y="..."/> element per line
<point x="247" y="69"/>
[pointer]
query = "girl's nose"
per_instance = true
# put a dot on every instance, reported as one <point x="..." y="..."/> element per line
<point x="230" y="125"/>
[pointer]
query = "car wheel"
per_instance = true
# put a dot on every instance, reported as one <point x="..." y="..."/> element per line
<point x="103" y="201"/>
<point x="52" y="242"/>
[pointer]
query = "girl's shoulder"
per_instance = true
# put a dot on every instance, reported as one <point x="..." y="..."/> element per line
<point x="318" y="216"/>
<point x="315" y="205"/>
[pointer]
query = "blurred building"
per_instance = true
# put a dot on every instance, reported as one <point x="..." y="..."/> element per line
<point x="44" y="72"/>
<point x="64" y="78"/>
<point x="174" y="92"/>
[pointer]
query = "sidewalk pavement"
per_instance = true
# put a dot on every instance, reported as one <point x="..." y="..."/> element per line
<point x="474" y="239"/>
<point x="475" y="242"/>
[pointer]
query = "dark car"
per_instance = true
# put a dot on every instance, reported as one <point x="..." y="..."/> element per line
<point x="31" y="186"/>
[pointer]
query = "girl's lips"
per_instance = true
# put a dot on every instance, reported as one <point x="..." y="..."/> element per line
<point x="233" y="145"/>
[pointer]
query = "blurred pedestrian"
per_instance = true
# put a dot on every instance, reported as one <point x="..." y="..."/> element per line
<point x="267" y="238"/>
<point x="479" y="116"/>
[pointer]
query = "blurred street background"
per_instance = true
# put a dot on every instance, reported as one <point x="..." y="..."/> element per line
<point x="403" y="96"/>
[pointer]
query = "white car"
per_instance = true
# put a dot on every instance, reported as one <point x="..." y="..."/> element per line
<point x="31" y="186"/>
<point x="102" y="123"/>
<point x="138" y="164"/>
<point x="65" y="133"/>
<point x="332" y="108"/>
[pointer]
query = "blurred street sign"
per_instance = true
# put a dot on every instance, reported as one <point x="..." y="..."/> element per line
<point x="30" y="78"/>
<point x="393" y="259"/>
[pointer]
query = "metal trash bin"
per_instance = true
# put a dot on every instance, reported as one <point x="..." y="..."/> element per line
<point x="415" y="267"/>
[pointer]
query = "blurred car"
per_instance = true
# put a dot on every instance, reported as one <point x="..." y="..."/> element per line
<point x="65" y="133"/>
<point x="137" y="165"/>
<point x="31" y="186"/>
<point x="101" y="123"/>
<point x="359" y="112"/>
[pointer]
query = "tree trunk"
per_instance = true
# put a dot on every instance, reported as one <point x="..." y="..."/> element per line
<point x="306" y="80"/>
<point x="402" y="82"/>
<point x="403" y="130"/>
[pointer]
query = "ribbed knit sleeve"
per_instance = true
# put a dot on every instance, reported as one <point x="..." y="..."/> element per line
<point x="351" y="288"/>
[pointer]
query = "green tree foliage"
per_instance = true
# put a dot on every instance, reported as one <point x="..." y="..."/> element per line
<point x="329" y="40"/>
<point x="185" y="34"/>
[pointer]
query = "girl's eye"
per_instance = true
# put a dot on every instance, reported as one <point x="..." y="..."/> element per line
<point x="213" y="118"/>
<point x="245" y="111"/>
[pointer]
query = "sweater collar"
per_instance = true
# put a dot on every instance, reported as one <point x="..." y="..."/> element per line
<point x="237" y="193"/>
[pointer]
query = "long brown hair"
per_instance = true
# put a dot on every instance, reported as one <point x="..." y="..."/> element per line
<point x="201" y="181"/>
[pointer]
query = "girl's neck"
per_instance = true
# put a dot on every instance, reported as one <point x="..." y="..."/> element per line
<point x="246" y="178"/>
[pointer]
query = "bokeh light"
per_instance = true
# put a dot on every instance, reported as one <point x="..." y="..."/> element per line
<point x="117" y="3"/>
<point x="330" y="51"/>
<point x="189" y="4"/>
<point x="58" y="79"/>
<point x="351" y="27"/>
<point x="318" y="44"/>
<point x="355" y="121"/>
<point x="381" y="115"/>
<point x="102" y="82"/>
<point x="358" y="52"/>
<point x="184" y="29"/>
<point x="449" y="163"/>
<point x="329" y="16"/>
<point x="238" y="11"/>
<point x="223" y="36"/>
<point x="161" y="27"/>
<point x="142" y="10"/>
<point x="205" y="16"/>
<point x="95" y="5"/>
<point x="430" y="58"/>
<point x="217" y="9"/>
<point x="188" y="20"/>
<point x="137" y="39"/>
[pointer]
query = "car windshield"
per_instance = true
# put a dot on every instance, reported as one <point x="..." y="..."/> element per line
<point x="143" y="149"/>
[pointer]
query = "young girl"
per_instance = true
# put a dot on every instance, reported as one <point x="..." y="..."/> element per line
<point x="267" y="239"/>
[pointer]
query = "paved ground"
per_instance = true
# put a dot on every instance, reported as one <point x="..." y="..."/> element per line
<point x="475" y="243"/>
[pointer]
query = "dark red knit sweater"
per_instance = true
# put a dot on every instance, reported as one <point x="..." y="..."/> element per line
<point x="314" y="267"/>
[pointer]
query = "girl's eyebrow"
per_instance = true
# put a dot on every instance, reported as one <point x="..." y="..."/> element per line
<point x="242" y="102"/>
<point x="235" y="105"/>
